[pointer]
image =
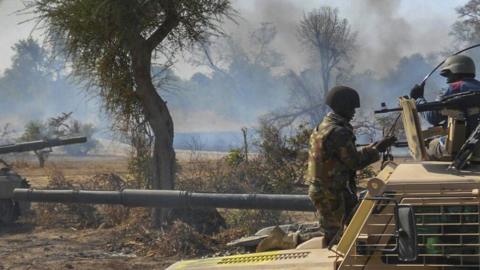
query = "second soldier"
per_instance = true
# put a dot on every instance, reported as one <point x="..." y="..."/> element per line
<point x="333" y="161"/>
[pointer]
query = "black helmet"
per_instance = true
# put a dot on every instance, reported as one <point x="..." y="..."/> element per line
<point x="343" y="98"/>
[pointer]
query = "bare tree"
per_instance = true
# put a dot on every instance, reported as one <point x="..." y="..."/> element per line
<point x="330" y="41"/>
<point x="218" y="53"/>
<point x="329" y="38"/>
<point x="260" y="44"/>
<point x="36" y="130"/>
<point x="467" y="28"/>
<point x="304" y="102"/>
<point x="6" y="134"/>
<point x="243" y="71"/>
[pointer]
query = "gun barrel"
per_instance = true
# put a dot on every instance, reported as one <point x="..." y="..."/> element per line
<point x="40" y="144"/>
<point x="169" y="199"/>
<point x="431" y="106"/>
<point x="396" y="144"/>
<point x="388" y="110"/>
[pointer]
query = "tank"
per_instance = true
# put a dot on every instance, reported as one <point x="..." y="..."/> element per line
<point x="10" y="209"/>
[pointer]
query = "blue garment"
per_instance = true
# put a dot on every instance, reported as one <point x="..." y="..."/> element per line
<point x="468" y="84"/>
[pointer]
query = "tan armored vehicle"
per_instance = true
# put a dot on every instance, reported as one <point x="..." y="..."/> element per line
<point x="422" y="214"/>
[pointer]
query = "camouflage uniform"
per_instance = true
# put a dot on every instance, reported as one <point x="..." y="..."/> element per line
<point x="332" y="164"/>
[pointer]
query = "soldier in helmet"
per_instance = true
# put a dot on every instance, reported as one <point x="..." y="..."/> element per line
<point x="334" y="159"/>
<point x="460" y="73"/>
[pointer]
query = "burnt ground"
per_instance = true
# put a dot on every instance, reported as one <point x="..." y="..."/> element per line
<point x="24" y="246"/>
<point x="27" y="246"/>
<point x="35" y="244"/>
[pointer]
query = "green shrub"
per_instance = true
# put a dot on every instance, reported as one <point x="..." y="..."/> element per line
<point x="235" y="157"/>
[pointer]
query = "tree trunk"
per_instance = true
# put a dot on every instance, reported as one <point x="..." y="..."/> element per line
<point x="245" y="143"/>
<point x="160" y="120"/>
<point x="326" y="83"/>
<point x="41" y="160"/>
<point x="41" y="156"/>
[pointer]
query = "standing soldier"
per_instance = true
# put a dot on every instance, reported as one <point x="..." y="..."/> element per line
<point x="334" y="159"/>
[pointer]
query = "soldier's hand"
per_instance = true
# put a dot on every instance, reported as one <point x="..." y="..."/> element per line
<point x="384" y="143"/>
<point x="417" y="91"/>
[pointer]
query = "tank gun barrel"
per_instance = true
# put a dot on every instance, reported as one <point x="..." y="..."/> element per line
<point x="168" y="199"/>
<point x="40" y="144"/>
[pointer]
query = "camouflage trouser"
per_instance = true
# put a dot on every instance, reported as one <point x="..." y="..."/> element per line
<point x="333" y="206"/>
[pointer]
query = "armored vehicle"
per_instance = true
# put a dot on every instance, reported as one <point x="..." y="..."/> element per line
<point x="9" y="180"/>
<point x="422" y="214"/>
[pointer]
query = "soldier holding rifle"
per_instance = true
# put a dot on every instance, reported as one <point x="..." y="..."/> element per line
<point x="460" y="73"/>
<point x="334" y="160"/>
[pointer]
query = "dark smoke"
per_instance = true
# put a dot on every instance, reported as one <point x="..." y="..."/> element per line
<point x="393" y="54"/>
<point x="383" y="35"/>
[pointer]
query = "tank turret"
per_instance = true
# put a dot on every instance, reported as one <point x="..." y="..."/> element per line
<point x="10" y="209"/>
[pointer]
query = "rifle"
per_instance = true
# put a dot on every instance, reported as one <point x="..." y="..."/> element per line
<point x="459" y="102"/>
<point x="395" y="144"/>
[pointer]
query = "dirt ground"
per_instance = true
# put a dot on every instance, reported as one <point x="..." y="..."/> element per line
<point x="25" y="246"/>
<point x="30" y="244"/>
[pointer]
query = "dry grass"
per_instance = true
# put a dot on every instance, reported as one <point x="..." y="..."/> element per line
<point x="80" y="215"/>
<point x="133" y="231"/>
<point x="132" y="225"/>
<point x="76" y="170"/>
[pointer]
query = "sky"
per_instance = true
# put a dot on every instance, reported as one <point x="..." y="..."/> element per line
<point x="387" y="29"/>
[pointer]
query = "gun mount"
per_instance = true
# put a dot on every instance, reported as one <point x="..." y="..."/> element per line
<point x="457" y="102"/>
<point x="10" y="209"/>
